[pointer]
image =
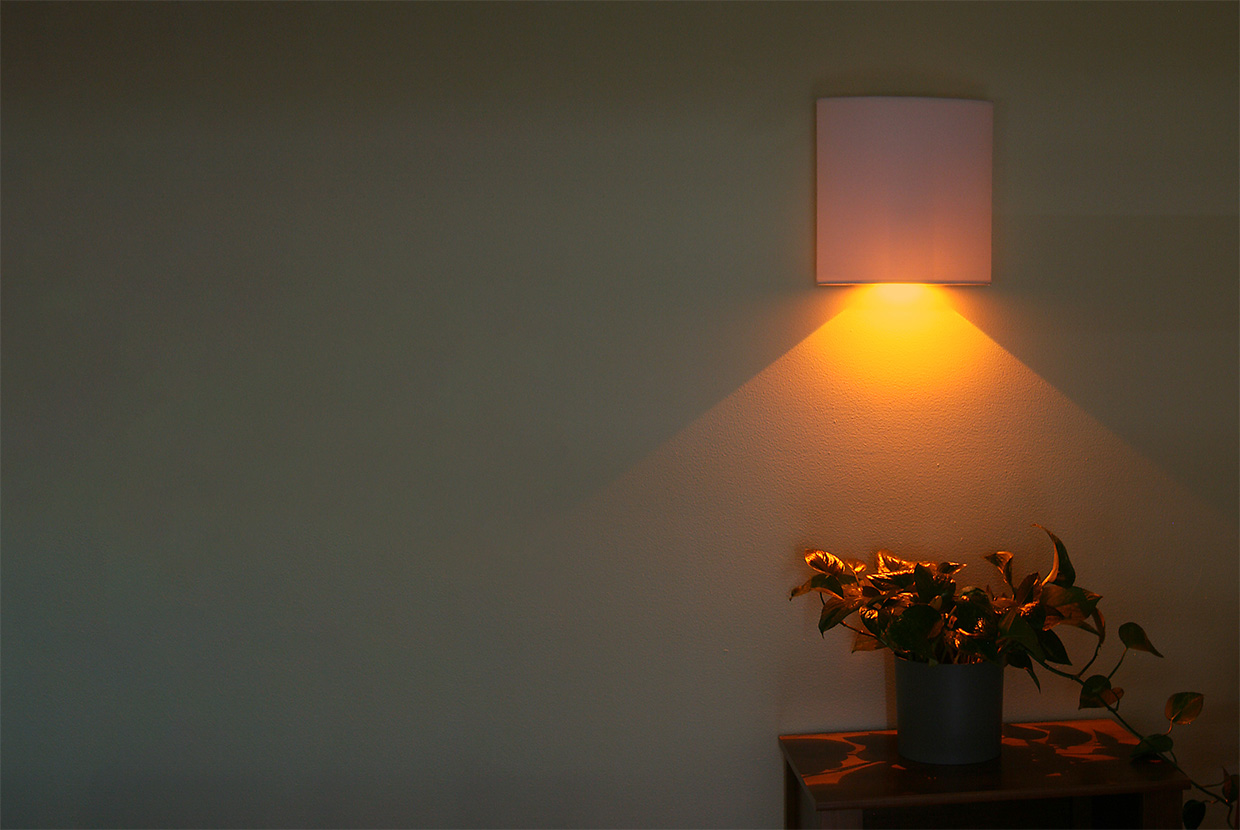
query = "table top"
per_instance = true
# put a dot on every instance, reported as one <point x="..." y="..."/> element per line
<point x="856" y="770"/>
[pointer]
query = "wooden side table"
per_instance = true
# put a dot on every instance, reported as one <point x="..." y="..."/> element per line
<point x="1055" y="774"/>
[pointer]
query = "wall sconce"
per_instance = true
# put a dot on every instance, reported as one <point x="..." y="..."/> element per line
<point x="904" y="190"/>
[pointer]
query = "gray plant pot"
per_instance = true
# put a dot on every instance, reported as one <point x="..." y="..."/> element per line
<point x="949" y="714"/>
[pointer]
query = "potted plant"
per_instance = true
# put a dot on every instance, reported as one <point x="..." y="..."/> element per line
<point x="917" y="610"/>
<point x="952" y="643"/>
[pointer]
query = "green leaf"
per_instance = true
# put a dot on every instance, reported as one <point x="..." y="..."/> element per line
<point x="1035" y="614"/>
<point x="1096" y="693"/>
<point x="912" y="630"/>
<point x="923" y="580"/>
<point x="1133" y="636"/>
<point x="856" y="565"/>
<point x="1184" y="707"/>
<point x="864" y="643"/>
<point x="1194" y="812"/>
<point x="1003" y="561"/>
<point x="977" y="597"/>
<point x="1021" y="632"/>
<point x="1053" y="647"/>
<point x="946" y="568"/>
<point x="1062" y="572"/>
<point x="869" y="618"/>
<point x="1020" y="660"/>
<point x="1072" y="606"/>
<point x="988" y="648"/>
<point x="1098" y="629"/>
<point x="834" y="611"/>
<point x="1152" y="745"/>
<point x="1025" y="589"/>
<point x="891" y="583"/>
<point x="819" y="582"/>
<point x="968" y="616"/>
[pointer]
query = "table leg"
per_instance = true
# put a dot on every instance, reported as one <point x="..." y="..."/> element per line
<point x="792" y="798"/>
<point x="1162" y="808"/>
<point x="840" y="819"/>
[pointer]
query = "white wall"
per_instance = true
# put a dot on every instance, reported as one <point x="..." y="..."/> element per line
<point x="413" y="412"/>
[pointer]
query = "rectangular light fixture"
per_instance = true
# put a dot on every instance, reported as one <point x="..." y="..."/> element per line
<point x="904" y="190"/>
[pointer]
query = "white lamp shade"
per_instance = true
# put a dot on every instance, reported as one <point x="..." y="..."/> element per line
<point x="904" y="190"/>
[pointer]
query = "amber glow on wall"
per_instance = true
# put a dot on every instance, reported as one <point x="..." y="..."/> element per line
<point x="897" y="422"/>
<point x="900" y="340"/>
<point x="897" y="294"/>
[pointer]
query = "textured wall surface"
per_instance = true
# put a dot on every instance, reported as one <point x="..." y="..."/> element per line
<point x="413" y="412"/>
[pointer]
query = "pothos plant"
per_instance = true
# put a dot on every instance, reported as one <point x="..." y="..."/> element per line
<point x="916" y="610"/>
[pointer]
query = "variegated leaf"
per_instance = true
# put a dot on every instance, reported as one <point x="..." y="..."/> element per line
<point x="888" y="562"/>
<point x="825" y="562"/>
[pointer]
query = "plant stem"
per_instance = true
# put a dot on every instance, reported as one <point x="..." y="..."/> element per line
<point x="1118" y="664"/>
<point x="858" y="630"/>
<point x="1097" y="648"/>
<point x="1054" y="670"/>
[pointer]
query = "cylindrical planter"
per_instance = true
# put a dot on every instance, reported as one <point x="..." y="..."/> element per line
<point x="949" y="714"/>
